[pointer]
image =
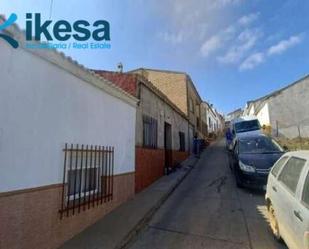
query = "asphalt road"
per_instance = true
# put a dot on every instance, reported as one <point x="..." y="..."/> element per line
<point x="208" y="211"/>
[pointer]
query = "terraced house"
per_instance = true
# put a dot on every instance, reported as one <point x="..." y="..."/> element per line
<point x="67" y="141"/>
<point x="180" y="89"/>
<point x="284" y="112"/>
<point x="162" y="139"/>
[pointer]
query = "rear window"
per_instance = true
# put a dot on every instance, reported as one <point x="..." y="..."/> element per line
<point x="305" y="197"/>
<point x="250" y="125"/>
<point x="258" y="145"/>
<point x="278" y="165"/>
<point x="290" y="173"/>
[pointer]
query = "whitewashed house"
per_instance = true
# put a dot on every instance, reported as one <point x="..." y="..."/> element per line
<point x="284" y="112"/>
<point x="234" y="114"/>
<point x="50" y="191"/>
<point x="212" y="118"/>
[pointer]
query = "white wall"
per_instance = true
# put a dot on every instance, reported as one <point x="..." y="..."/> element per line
<point x="41" y="108"/>
<point x="263" y="115"/>
<point x="251" y="111"/>
<point x="289" y="108"/>
<point x="213" y="125"/>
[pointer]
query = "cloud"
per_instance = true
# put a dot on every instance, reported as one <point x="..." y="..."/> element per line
<point x="252" y="61"/>
<point x="248" y="19"/>
<point x="174" y="38"/>
<point x="245" y="41"/>
<point x="222" y="3"/>
<point x="211" y="45"/>
<point x="196" y="23"/>
<point x="283" y="45"/>
<point x="259" y="57"/>
<point x="217" y="41"/>
<point x="235" y="41"/>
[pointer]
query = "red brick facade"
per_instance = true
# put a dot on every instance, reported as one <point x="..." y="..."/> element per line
<point x="29" y="219"/>
<point x="149" y="166"/>
<point x="150" y="163"/>
<point x="179" y="156"/>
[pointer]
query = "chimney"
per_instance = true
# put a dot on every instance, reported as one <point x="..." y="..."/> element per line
<point x="120" y="67"/>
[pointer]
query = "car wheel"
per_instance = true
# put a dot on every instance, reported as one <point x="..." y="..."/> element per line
<point x="273" y="222"/>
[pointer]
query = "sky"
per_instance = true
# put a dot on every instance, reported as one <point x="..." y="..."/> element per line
<point x="234" y="50"/>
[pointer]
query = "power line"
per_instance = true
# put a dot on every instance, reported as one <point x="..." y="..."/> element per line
<point x="51" y="8"/>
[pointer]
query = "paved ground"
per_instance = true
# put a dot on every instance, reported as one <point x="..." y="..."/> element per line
<point x="118" y="227"/>
<point x="208" y="211"/>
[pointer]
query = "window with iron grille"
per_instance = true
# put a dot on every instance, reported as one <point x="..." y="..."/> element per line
<point x="87" y="177"/>
<point x="182" y="145"/>
<point x="150" y="132"/>
<point x="84" y="179"/>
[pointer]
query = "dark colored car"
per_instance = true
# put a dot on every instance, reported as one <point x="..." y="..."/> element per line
<point x="252" y="158"/>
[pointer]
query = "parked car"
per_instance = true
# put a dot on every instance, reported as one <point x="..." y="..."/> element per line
<point x="252" y="158"/>
<point x="244" y="126"/>
<point x="287" y="199"/>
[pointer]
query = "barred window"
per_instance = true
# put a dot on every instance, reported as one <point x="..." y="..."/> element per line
<point x="182" y="145"/>
<point x="87" y="177"/>
<point x="150" y="132"/>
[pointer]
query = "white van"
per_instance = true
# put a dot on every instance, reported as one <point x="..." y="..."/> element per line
<point x="243" y="127"/>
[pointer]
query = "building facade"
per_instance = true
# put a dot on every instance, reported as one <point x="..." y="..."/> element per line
<point x="161" y="128"/>
<point x="179" y="88"/>
<point x="234" y="114"/>
<point x="212" y="119"/>
<point x="56" y="116"/>
<point x="204" y="120"/>
<point x="284" y="112"/>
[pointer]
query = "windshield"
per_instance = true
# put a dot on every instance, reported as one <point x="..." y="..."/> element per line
<point x="250" y="125"/>
<point x="259" y="145"/>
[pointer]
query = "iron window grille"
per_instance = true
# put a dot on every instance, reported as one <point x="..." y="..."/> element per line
<point x="87" y="177"/>
<point x="150" y="132"/>
<point x="182" y="145"/>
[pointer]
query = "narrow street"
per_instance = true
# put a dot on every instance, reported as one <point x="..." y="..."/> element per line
<point x="208" y="211"/>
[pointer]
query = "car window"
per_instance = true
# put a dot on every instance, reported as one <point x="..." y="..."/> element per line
<point x="290" y="173"/>
<point x="305" y="196"/>
<point x="258" y="145"/>
<point x="250" y="125"/>
<point x="278" y="165"/>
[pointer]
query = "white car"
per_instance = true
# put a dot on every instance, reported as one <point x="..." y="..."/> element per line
<point x="287" y="198"/>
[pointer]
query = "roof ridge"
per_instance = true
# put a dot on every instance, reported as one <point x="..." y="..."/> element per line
<point x="280" y="89"/>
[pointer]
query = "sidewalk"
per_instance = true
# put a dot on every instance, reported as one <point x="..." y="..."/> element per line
<point x="117" y="228"/>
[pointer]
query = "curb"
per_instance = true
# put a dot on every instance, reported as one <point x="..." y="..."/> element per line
<point x="132" y="235"/>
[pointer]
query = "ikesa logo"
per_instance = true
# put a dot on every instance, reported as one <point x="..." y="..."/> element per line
<point x="62" y="30"/>
<point x="59" y="31"/>
<point x="12" y="19"/>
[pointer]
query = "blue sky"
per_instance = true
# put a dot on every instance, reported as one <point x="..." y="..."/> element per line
<point x="234" y="50"/>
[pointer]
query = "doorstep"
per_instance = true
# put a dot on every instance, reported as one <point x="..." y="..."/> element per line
<point x="116" y="229"/>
